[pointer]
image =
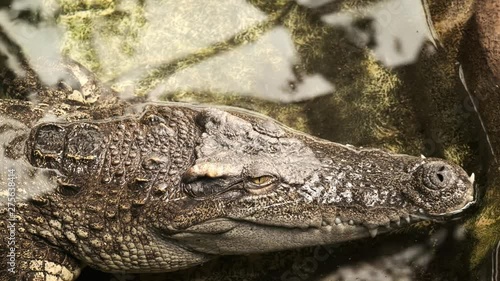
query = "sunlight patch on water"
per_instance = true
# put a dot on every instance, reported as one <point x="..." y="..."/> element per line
<point x="399" y="29"/>
<point x="264" y="69"/>
<point x="40" y="41"/>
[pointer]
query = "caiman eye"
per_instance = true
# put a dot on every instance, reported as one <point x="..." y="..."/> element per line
<point x="261" y="184"/>
<point x="262" y="181"/>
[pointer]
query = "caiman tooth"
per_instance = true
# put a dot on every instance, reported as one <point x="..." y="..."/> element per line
<point x="337" y="220"/>
<point x="394" y="221"/>
<point x="351" y="222"/>
<point x="407" y="219"/>
<point x="422" y="156"/>
<point x="373" y="232"/>
<point x="472" y="178"/>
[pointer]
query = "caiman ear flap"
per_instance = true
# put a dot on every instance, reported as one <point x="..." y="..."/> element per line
<point x="210" y="117"/>
<point x="215" y="120"/>
<point x="211" y="170"/>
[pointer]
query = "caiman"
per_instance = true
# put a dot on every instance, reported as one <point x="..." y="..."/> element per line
<point x="91" y="180"/>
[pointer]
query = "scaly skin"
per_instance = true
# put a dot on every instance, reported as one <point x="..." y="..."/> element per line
<point x="161" y="187"/>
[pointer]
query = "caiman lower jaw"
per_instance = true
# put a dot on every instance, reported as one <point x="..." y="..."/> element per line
<point x="248" y="238"/>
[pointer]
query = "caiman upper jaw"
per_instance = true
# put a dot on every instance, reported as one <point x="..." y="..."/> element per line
<point x="373" y="230"/>
<point x="436" y="191"/>
<point x="405" y="220"/>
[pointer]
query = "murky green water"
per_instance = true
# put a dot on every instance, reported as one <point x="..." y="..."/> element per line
<point x="382" y="74"/>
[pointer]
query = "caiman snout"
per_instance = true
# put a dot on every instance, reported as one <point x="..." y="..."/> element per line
<point x="444" y="188"/>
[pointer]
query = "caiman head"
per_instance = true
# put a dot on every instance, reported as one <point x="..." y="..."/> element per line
<point x="257" y="186"/>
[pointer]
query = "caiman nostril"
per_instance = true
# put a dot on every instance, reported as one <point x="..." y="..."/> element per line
<point x="438" y="175"/>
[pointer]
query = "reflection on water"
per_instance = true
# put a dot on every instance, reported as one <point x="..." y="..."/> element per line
<point x="396" y="30"/>
<point x="490" y="269"/>
<point x="398" y="265"/>
<point x="128" y="42"/>
<point x="265" y="69"/>
<point x="29" y="26"/>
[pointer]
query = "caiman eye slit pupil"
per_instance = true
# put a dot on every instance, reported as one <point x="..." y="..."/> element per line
<point x="262" y="181"/>
<point x="259" y="184"/>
